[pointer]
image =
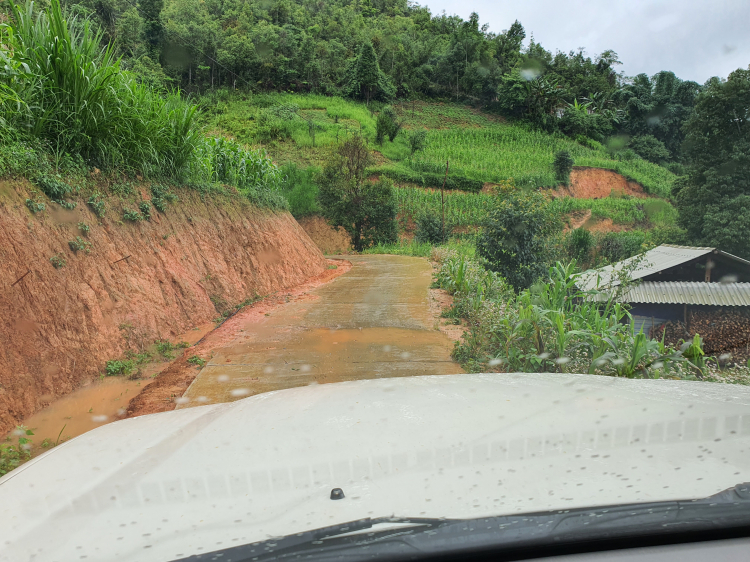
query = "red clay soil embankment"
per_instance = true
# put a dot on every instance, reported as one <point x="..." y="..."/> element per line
<point x="58" y="327"/>
<point x="597" y="183"/>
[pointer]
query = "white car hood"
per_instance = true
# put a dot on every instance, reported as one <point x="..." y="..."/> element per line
<point x="169" y="485"/>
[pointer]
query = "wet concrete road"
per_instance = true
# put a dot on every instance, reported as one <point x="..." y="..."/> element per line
<point x="372" y="322"/>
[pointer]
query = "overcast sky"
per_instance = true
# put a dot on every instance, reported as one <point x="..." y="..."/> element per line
<point x="696" y="39"/>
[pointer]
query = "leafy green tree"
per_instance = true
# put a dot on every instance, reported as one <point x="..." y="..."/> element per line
<point x="365" y="79"/>
<point x="713" y="201"/>
<point x="367" y="211"/>
<point x="417" y="140"/>
<point x="386" y="125"/>
<point x="650" y="148"/>
<point x="514" y="237"/>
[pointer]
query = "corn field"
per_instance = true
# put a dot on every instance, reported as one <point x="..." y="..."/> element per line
<point x="461" y="209"/>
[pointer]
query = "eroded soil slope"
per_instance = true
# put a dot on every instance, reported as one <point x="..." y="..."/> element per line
<point x="596" y="183"/>
<point x="58" y="327"/>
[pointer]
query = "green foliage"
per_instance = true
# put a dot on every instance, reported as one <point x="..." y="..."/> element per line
<point x="197" y="361"/>
<point x="367" y="211"/>
<point x="78" y="244"/>
<point x="417" y="140"/>
<point x="650" y="148"/>
<point x="145" y="209"/>
<point x="713" y="201"/>
<point x="430" y="229"/>
<point x="386" y="125"/>
<point x="160" y="196"/>
<point x="84" y="228"/>
<point x="617" y="246"/>
<point x="401" y="248"/>
<point x="117" y="367"/>
<point x="513" y="239"/>
<point x="365" y="80"/>
<point x="68" y="91"/>
<point x="300" y="190"/>
<point x="563" y="164"/>
<point x="580" y="244"/>
<point x="58" y="261"/>
<point x="165" y="349"/>
<point x="97" y="205"/>
<point x="14" y="454"/>
<point x="35" y="206"/>
<point x="461" y="209"/>
<point x="53" y="187"/>
<point x="131" y="215"/>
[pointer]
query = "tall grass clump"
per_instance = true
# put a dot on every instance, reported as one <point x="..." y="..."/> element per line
<point x="61" y="87"/>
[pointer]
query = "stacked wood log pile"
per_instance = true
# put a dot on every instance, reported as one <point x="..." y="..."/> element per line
<point x="724" y="330"/>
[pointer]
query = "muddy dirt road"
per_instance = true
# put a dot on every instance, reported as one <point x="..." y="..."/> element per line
<point x="374" y="321"/>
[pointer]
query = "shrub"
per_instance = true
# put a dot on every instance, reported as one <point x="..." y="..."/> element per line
<point x="58" y="261"/>
<point x="649" y="148"/>
<point x="160" y="196"/>
<point x="513" y="239"/>
<point x="417" y="140"/>
<point x="430" y="229"/>
<point x="165" y="348"/>
<point x="617" y="246"/>
<point x="119" y="367"/>
<point x="97" y="205"/>
<point x="562" y="165"/>
<point x="580" y="243"/>
<point x="145" y="208"/>
<point x="195" y="360"/>
<point x="131" y="215"/>
<point x="84" y="228"/>
<point x="35" y="206"/>
<point x="79" y="244"/>
<point x="53" y="187"/>
<point x="386" y="125"/>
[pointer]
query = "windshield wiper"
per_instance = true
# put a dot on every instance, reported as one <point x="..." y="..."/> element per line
<point x="426" y="537"/>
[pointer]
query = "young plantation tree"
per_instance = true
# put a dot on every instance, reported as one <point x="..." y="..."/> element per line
<point x="514" y="237"/>
<point x="365" y="80"/>
<point x="367" y="211"/>
<point x="714" y="200"/>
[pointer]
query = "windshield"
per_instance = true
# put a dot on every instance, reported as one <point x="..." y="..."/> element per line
<point x="366" y="261"/>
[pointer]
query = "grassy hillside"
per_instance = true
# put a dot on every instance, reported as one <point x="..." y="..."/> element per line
<point x="480" y="147"/>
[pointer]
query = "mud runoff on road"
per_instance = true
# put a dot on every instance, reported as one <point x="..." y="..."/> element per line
<point x="372" y="322"/>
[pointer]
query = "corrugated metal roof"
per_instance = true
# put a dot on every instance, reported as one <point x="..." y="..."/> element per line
<point x="655" y="260"/>
<point x="683" y="292"/>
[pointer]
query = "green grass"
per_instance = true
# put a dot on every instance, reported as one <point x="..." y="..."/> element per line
<point x="480" y="147"/>
<point x="461" y="209"/>
<point x="622" y="211"/>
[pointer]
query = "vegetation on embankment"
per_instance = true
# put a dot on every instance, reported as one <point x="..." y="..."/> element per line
<point x="95" y="285"/>
<point x="480" y="147"/>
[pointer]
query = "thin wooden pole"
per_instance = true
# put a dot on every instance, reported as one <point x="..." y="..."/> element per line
<point x="442" y="200"/>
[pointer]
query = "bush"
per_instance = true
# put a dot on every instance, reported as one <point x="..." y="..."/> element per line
<point x="386" y="125"/>
<point x="195" y="360"/>
<point x="84" y="228"/>
<point x="513" y="239"/>
<point x="58" y="261"/>
<point x="145" y="208"/>
<point x="580" y="243"/>
<point x="431" y="179"/>
<point x="430" y="229"/>
<point x="78" y="244"/>
<point x="563" y="164"/>
<point x="160" y="196"/>
<point x="97" y="205"/>
<point x="35" y="206"/>
<point x="617" y="246"/>
<point x="649" y="148"/>
<point x="53" y="187"/>
<point x="131" y="215"/>
<point x="119" y="367"/>
<point x="417" y="140"/>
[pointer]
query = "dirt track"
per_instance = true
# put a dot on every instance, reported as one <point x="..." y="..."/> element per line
<point x="374" y="321"/>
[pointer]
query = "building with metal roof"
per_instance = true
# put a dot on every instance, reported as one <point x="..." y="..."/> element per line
<point x="673" y="279"/>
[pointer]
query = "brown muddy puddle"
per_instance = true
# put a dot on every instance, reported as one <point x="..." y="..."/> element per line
<point x="303" y="357"/>
<point x="101" y="401"/>
<point x="83" y="410"/>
